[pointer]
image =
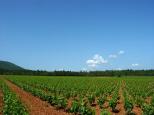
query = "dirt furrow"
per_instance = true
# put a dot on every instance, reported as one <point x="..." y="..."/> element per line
<point x="120" y="105"/>
<point x="98" y="110"/>
<point x="1" y="101"/>
<point x="35" y="105"/>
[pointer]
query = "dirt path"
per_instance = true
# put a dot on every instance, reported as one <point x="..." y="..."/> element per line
<point x="120" y="105"/>
<point x="35" y="105"/>
<point x="1" y="101"/>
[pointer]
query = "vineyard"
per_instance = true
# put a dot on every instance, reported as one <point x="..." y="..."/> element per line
<point x="77" y="95"/>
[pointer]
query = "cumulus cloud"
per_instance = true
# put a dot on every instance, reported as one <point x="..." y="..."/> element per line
<point x="96" y="60"/>
<point x="121" y="52"/>
<point x="112" y="56"/>
<point x="135" y="64"/>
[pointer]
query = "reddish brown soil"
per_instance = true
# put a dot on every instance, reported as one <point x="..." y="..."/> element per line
<point x="106" y="105"/>
<point x="1" y="102"/>
<point x="69" y="103"/>
<point x="98" y="110"/>
<point x="120" y="105"/>
<point x="35" y="105"/>
<point x="137" y="110"/>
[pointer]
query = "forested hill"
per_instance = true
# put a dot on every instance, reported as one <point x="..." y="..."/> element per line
<point x="5" y="65"/>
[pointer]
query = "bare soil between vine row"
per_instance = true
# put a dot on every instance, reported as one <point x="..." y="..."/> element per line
<point x="34" y="105"/>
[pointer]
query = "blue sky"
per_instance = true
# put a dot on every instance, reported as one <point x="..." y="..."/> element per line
<point x="77" y="34"/>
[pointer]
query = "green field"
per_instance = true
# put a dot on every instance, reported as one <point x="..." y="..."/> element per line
<point x="92" y="95"/>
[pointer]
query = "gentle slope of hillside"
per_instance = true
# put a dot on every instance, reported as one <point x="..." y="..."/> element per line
<point x="9" y="66"/>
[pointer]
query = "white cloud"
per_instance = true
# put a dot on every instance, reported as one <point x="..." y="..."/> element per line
<point x="121" y="52"/>
<point x="117" y="55"/>
<point x="96" y="60"/>
<point x="135" y="64"/>
<point x="91" y="63"/>
<point x="112" y="56"/>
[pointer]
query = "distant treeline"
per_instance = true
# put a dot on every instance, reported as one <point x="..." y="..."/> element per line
<point x="118" y="73"/>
